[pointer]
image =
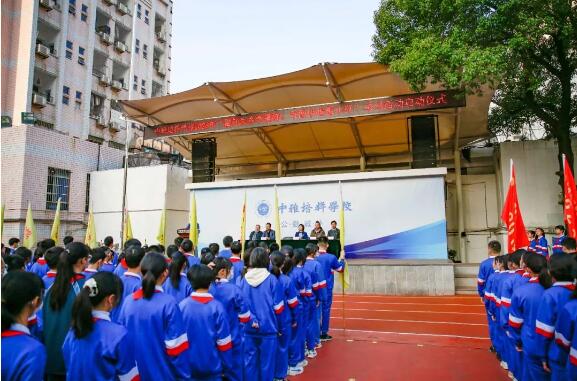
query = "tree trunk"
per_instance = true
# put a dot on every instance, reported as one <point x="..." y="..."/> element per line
<point x="564" y="147"/>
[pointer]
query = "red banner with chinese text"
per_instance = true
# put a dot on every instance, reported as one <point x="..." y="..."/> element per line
<point x="511" y="216"/>
<point x="570" y="202"/>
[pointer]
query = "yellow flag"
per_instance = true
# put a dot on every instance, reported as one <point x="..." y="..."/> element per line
<point x="160" y="237"/>
<point x="243" y="225"/>
<point x="55" y="232"/>
<point x="277" y="227"/>
<point x="127" y="227"/>
<point x="90" y="237"/>
<point x="2" y="221"/>
<point x="345" y="277"/>
<point x="193" y="229"/>
<point x="29" y="230"/>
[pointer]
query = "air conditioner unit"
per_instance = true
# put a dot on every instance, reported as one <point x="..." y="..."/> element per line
<point x="122" y="8"/>
<point x="47" y="4"/>
<point x="104" y="80"/>
<point x="116" y="85"/>
<point x="39" y="100"/>
<point x="125" y="86"/>
<point x="111" y="2"/>
<point x="100" y="120"/>
<point x="161" y="71"/>
<point x="120" y="46"/>
<point x="161" y="35"/>
<point x="114" y="126"/>
<point x="106" y="38"/>
<point x="42" y="51"/>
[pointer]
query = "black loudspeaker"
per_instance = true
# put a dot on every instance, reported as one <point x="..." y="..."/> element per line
<point x="424" y="141"/>
<point x="203" y="160"/>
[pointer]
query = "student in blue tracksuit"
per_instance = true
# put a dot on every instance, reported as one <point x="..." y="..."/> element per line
<point x="108" y="262"/>
<point x="176" y="284"/>
<point x="264" y="296"/>
<point x="316" y="273"/>
<point x="532" y="237"/>
<point x="226" y="252"/>
<point x="495" y="306"/>
<point x="238" y="314"/>
<point x="187" y="248"/>
<point x="57" y="306"/>
<point x="486" y="267"/>
<point x="523" y="313"/>
<point x="505" y="294"/>
<point x="131" y="278"/>
<point x="541" y="247"/>
<point x="109" y="244"/>
<point x="95" y="345"/>
<point x="122" y="266"/>
<point x="565" y="333"/>
<point x="205" y="320"/>
<point x="293" y="267"/>
<point x="23" y="357"/>
<point x="52" y="257"/>
<point x="95" y="262"/>
<point x="329" y="264"/>
<point x="26" y="255"/>
<point x="40" y="266"/>
<point x="237" y="262"/>
<point x="557" y="244"/>
<point x="289" y="315"/>
<point x="162" y="341"/>
<point x="550" y="307"/>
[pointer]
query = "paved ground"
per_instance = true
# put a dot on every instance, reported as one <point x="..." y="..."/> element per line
<point x="389" y="338"/>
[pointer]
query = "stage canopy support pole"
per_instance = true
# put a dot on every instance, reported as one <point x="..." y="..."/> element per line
<point x="459" y="189"/>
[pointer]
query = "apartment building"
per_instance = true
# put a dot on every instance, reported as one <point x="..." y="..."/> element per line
<point x="65" y="65"/>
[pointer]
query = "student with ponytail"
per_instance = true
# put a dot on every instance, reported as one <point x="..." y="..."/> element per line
<point x="23" y="357"/>
<point x="237" y="314"/>
<point x="289" y="317"/>
<point x="57" y="308"/>
<point x="52" y="257"/>
<point x="154" y="317"/>
<point x="523" y="313"/>
<point x="566" y="335"/>
<point x="550" y="307"/>
<point x="177" y="285"/>
<point x="94" y="338"/>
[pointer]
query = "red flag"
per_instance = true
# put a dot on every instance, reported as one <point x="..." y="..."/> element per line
<point x="511" y="216"/>
<point x="570" y="202"/>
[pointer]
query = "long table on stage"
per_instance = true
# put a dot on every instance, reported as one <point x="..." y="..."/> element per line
<point x="334" y="244"/>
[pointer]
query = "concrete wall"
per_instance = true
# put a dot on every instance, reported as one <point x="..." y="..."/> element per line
<point x="149" y="190"/>
<point x="399" y="278"/>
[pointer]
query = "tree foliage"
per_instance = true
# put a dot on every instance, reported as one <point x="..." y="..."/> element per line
<point x="525" y="50"/>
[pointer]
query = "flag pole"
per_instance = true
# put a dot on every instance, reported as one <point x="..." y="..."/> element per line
<point x="124" y="183"/>
<point x="341" y="239"/>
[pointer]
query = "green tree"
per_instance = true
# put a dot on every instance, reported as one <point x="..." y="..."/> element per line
<point x="526" y="50"/>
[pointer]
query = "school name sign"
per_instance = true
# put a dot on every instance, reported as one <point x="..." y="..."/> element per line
<point x="306" y="114"/>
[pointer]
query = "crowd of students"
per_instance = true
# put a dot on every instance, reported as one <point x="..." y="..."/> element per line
<point x="152" y="313"/>
<point x="531" y="303"/>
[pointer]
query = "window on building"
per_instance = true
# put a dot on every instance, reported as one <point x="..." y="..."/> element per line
<point x="139" y="10"/>
<point x="58" y="188"/>
<point x="145" y="51"/>
<point x="143" y="87"/>
<point x="113" y="144"/>
<point x="87" y="194"/>
<point x="136" y="46"/>
<point x="146" y="18"/>
<point x="69" y="46"/>
<point x="84" y="13"/>
<point x="79" y="96"/>
<point x="135" y="83"/>
<point x="81" y="55"/>
<point x="72" y="7"/>
<point x="65" y="94"/>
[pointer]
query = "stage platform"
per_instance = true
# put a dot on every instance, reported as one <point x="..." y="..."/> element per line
<point x="394" y="277"/>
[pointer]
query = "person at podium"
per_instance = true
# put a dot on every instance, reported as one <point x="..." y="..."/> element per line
<point x="256" y="234"/>
<point x="317" y="231"/>
<point x="301" y="234"/>
<point x="268" y="232"/>
<point x="334" y="232"/>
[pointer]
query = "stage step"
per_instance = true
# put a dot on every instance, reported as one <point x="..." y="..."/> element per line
<point x="466" y="278"/>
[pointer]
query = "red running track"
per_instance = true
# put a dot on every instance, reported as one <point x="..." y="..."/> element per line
<point x="389" y="338"/>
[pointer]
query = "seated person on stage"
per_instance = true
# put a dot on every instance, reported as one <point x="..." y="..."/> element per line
<point x="256" y="234"/>
<point x="268" y="232"/>
<point x="334" y="231"/>
<point x="301" y="232"/>
<point x="317" y="231"/>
